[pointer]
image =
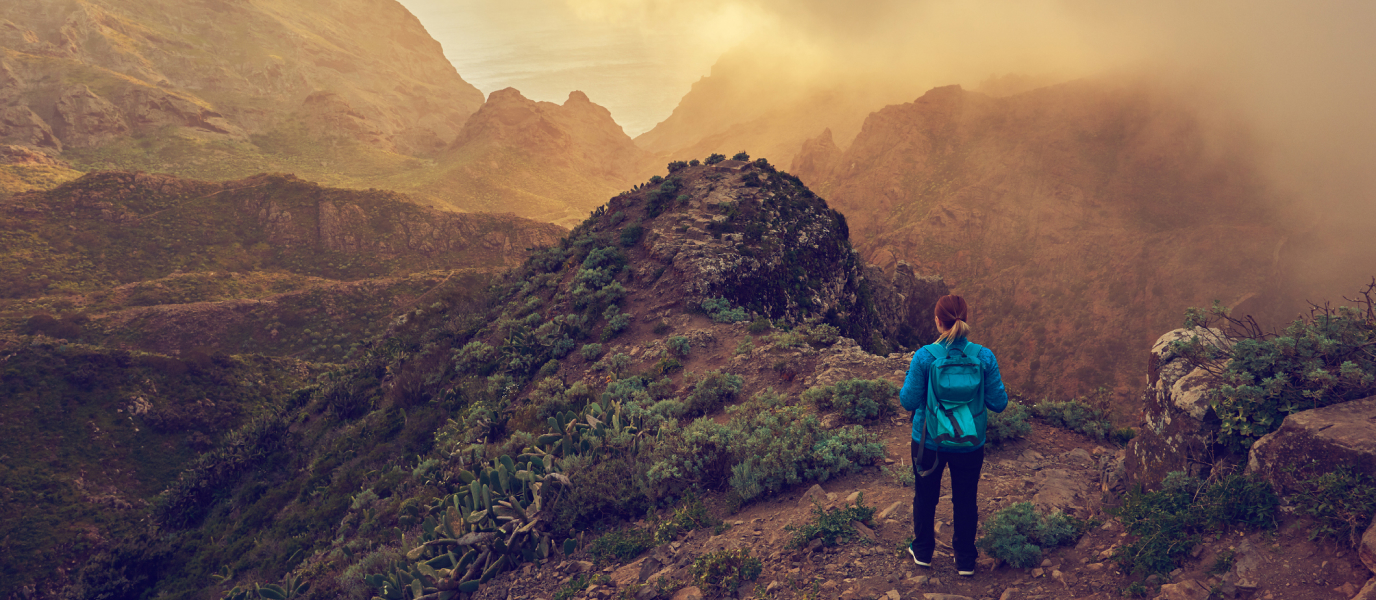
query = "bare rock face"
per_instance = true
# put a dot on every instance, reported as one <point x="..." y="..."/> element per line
<point x="85" y="119"/>
<point x="1318" y="440"/>
<point x="19" y="125"/>
<point x="1180" y="428"/>
<point x="906" y="302"/>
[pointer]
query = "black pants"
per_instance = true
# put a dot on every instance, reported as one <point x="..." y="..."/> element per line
<point x="965" y="468"/>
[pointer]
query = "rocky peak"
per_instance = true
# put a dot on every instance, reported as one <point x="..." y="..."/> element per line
<point x="762" y="241"/>
<point x="577" y="134"/>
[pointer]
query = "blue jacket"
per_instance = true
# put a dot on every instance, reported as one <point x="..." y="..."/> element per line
<point x="913" y="396"/>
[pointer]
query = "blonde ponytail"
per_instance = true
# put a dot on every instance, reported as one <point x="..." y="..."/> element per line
<point x="958" y="330"/>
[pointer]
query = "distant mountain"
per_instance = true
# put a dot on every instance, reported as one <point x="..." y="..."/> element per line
<point x="540" y="160"/>
<point x="1079" y="219"/>
<point x="90" y="73"/>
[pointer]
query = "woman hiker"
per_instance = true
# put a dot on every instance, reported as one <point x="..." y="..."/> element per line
<point x="946" y="445"/>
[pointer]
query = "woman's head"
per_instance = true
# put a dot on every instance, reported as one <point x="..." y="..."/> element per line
<point x="952" y="314"/>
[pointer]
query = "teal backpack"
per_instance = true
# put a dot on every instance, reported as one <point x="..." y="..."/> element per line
<point x="955" y="417"/>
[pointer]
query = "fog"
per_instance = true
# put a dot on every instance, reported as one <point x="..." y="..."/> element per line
<point x="1295" y="78"/>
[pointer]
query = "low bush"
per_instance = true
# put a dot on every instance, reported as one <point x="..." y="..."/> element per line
<point x="621" y="545"/>
<point x="741" y="156"/>
<point x="1322" y="359"/>
<point x="858" y="400"/>
<point x="715" y="158"/>
<point x="1342" y="501"/>
<point x="763" y="448"/>
<point x="679" y="345"/>
<point x="590" y="351"/>
<point x="691" y="515"/>
<point x="720" y="310"/>
<point x="1076" y="415"/>
<point x="712" y="392"/>
<point x="833" y="526"/>
<point x="1168" y="523"/>
<point x="1019" y="534"/>
<point x="760" y="325"/>
<point x="1011" y="424"/>
<point x="721" y="572"/>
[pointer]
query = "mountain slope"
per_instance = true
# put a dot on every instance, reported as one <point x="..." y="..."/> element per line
<point x="1079" y="219"/>
<point x="270" y="264"/>
<point x="90" y="72"/>
<point x="539" y="160"/>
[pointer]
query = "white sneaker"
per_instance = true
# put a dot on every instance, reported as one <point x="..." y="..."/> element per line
<point x="915" y="559"/>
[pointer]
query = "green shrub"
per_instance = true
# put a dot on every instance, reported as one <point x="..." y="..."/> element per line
<point x="656" y="180"/>
<point x="664" y="367"/>
<point x="1168" y="523"/>
<point x="690" y="515"/>
<point x="1316" y="361"/>
<point x="1342" y="501"/>
<point x="859" y="400"/>
<point x="713" y="391"/>
<point x="617" y="322"/>
<point x="1075" y="415"/>
<point x="723" y="571"/>
<point x="679" y="345"/>
<point x="631" y="234"/>
<point x="661" y="328"/>
<point x="1011" y="424"/>
<point x="720" y="310"/>
<point x="694" y="163"/>
<point x="746" y="345"/>
<point x="621" y="545"/>
<point x="822" y="334"/>
<point x="760" y="325"/>
<point x="715" y="158"/>
<point x="741" y="156"/>
<point x="1018" y="534"/>
<point x="590" y="351"/>
<point x="901" y="476"/>
<point x="833" y="526"/>
<point x="762" y="449"/>
<point x="677" y="165"/>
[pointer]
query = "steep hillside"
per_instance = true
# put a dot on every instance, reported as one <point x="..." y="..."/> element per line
<point x="270" y="264"/>
<point x="1080" y="219"/>
<point x="539" y="160"/>
<point x="88" y="73"/>
<point x="687" y="256"/>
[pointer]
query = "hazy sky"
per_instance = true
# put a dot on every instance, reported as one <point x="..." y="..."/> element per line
<point x="638" y="68"/>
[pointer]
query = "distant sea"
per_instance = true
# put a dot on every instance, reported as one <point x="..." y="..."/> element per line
<point x="540" y="48"/>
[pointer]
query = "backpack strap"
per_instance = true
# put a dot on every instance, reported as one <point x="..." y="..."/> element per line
<point x="936" y="350"/>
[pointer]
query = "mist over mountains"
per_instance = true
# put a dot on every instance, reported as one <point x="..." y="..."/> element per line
<point x="285" y="296"/>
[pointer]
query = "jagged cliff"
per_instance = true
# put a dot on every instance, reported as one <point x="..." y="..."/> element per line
<point x="1080" y="219"/>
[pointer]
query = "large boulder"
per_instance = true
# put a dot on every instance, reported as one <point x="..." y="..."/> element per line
<point x="905" y="301"/>
<point x="1318" y="440"/>
<point x="1181" y="427"/>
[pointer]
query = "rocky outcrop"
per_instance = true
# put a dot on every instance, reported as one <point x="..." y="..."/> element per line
<point x="85" y="119"/>
<point x="905" y="302"/>
<point x="20" y="125"/>
<point x="762" y="241"/>
<point x="1317" y="440"/>
<point x="1180" y="426"/>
